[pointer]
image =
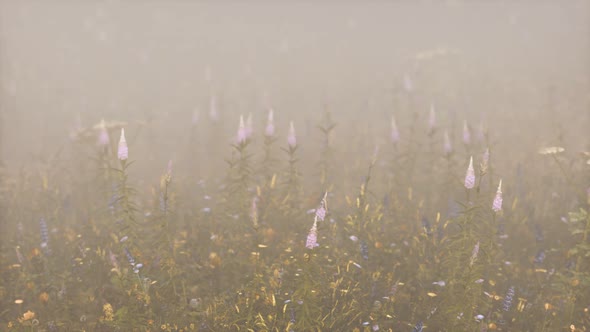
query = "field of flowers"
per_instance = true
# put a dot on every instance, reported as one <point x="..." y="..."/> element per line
<point x="416" y="221"/>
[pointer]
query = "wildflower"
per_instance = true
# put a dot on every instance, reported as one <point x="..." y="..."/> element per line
<point x="103" y="134"/>
<point x="123" y="151"/>
<point x="27" y="316"/>
<point x="130" y="258"/>
<point x="419" y="327"/>
<point x="447" y="147"/>
<point x="431" y="120"/>
<point x="497" y="204"/>
<point x="312" y="237"/>
<point x="364" y="250"/>
<point x="466" y="134"/>
<point x="474" y="254"/>
<point x="440" y="283"/>
<point x="394" y="131"/>
<point x="291" y="138"/>
<point x="241" y="131"/>
<point x="508" y="299"/>
<point x="485" y="159"/>
<point x="44" y="234"/>
<point x="107" y="310"/>
<point x="44" y="297"/>
<point x="270" y="126"/>
<point x="540" y="257"/>
<point x="320" y="212"/>
<point x="481" y="132"/>
<point x="470" y="176"/>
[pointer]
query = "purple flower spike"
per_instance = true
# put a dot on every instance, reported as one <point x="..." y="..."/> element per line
<point x="448" y="148"/>
<point x="466" y="134"/>
<point x="291" y="138"/>
<point x="470" y="176"/>
<point x="103" y="135"/>
<point x="270" y="126"/>
<point x="497" y="204"/>
<point x="394" y="131"/>
<point x="241" y="138"/>
<point x="312" y="237"/>
<point x="123" y="151"/>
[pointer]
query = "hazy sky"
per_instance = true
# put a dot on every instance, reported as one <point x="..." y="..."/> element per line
<point x="121" y="59"/>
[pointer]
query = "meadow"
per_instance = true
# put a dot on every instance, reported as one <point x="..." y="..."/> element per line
<point x="361" y="167"/>
<point x="415" y="226"/>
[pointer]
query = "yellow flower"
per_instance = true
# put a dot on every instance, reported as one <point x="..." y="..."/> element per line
<point x="27" y="316"/>
<point x="107" y="310"/>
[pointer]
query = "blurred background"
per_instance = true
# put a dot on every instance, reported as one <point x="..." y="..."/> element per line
<point x="523" y="66"/>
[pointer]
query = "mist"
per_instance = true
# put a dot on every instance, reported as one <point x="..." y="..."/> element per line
<point x="388" y="103"/>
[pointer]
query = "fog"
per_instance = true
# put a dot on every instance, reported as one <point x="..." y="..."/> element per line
<point x="162" y="61"/>
<point x="295" y="166"/>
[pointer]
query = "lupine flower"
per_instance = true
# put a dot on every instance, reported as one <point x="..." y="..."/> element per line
<point x="481" y="132"/>
<point x="431" y="120"/>
<point x="364" y="250"/>
<point x="540" y="257"/>
<point x="123" y="151"/>
<point x="497" y="204"/>
<point x="447" y="147"/>
<point x="470" y="176"/>
<point x="103" y="135"/>
<point x="466" y="134"/>
<point x="312" y="236"/>
<point x="270" y="126"/>
<point x="484" y="161"/>
<point x="508" y="299"/>
<point x="291" y="138"/>
<point x="474" y="254"/>
<point x="249" y="126"/>
<point x="320" y="212"/>
<point x="394" y="131"/>
<point x="241" y="137"/>
<point x="419" y="327"/>
<point x="44" y="234"/>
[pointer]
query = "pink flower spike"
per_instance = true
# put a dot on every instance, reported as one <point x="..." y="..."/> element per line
<point x="291" y="138"/>
<point x="466" y="134"/>
<point x="448" y="148"/>
<point x="470" y="176"/>
<point x="103" y="135"/>
<point x="497" y="204"/>
<point x="394" y="131"/>
<point x="312" y="237"/>
<point x="270" y="126"/>
<point x="241" y="138"/>
<point x="123" y="151"/>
